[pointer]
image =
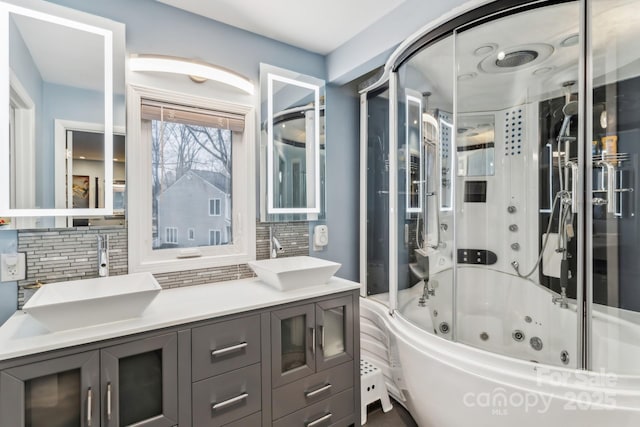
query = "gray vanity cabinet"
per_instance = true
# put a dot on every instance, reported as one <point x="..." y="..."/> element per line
<point x="59" y="392"/>
<point x="293" y="364"/>
<point x="140" y="383"/>
<point x="134" y="383"/>
<point x="312" y="359"/>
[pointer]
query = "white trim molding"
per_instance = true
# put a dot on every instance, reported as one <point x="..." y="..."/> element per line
<point x="142" y="257"/>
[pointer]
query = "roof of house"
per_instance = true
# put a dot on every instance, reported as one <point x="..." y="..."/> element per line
<point x="219" y="180"/>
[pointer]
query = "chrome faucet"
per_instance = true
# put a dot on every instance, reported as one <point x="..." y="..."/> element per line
<point x="103" y="255"/>
<point x="427" y="291"/>
<point x="562" y="299"/>
<point x="275" y="247"/>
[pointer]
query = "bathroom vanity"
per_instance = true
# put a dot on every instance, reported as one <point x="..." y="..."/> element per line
<point x="236" y="353"/>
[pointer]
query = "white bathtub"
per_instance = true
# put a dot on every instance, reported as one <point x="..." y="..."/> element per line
<point x="500" y="381"/>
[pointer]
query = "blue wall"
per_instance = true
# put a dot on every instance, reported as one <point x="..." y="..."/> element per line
<point x="152" y="27"/>
<point x="343" y="192"/>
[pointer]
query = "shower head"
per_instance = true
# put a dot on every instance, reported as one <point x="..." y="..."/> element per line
<point x="570" y="108"/>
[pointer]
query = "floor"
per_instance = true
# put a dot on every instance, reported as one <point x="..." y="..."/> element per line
<point x="397" y="417"/>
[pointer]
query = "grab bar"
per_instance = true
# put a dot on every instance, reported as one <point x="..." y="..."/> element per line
<point x="574" y="186"/>
<point x="610" y="184"/>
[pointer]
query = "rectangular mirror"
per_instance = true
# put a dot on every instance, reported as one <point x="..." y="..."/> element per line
<point x="58" y="101"/>
<point x="476" y="145"/>
<point x="293" y="145"/>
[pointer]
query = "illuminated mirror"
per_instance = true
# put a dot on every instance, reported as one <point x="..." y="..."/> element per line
<point x="58" y="100"/>
<point x="293" y="145"/>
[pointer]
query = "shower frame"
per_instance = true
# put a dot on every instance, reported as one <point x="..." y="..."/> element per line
<point x="477" y="13"/>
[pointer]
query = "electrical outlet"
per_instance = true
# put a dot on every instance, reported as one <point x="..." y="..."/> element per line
<point x="12" y="267"/>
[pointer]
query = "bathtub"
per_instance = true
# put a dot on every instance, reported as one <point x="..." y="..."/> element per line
<point x="490" y="378"/>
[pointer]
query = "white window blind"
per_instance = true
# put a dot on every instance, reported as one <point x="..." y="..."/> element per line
<point x="162" y="111"/>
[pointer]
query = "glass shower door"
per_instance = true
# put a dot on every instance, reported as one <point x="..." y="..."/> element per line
<point x="377" y="195"/>
<point x="613" y="251"/>
<point x="516" y="122"/>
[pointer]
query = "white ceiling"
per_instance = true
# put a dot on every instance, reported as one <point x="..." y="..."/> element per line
<point x="317" y="26"/>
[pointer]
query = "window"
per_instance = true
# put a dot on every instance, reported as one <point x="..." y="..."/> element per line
<point x="215" y="237"/>
<point x="214" y="207"/>
<point x="171" y="235"/>
<point x="193" y="151"/>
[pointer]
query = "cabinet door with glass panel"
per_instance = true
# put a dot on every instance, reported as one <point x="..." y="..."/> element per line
<point x="309" y="338"/>
<point x="59" y="392"/>
<point x="140" y="382"/>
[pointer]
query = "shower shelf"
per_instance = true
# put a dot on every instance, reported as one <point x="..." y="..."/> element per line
<point x="612" y="158"/>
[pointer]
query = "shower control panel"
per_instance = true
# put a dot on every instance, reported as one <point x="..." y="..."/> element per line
<point x="476" y="256"/>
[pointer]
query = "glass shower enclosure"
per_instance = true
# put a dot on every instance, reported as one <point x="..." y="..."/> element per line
<point x="501" y="158"/>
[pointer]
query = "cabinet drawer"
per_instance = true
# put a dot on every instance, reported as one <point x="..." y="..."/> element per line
<point x="225" y="346"/>
<point x="314" y="388"/>
<point x="228" y="397"/>
<point x="321" y="414"/>
<point x="254" y="420"/>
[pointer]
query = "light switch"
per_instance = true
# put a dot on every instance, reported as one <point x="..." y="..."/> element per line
<point x="12" y="267"/>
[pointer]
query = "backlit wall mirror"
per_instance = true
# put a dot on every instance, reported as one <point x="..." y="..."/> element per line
<point x="62" y="91"/>
<point x="292" y="145"/>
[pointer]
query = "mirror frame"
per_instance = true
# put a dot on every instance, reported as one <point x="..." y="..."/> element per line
<point x="5" y="171"/>
<point x="271" y="209"/>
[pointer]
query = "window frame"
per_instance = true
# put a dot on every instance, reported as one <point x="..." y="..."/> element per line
<point x="191" y="233"/>
<point x="141" y="255"/>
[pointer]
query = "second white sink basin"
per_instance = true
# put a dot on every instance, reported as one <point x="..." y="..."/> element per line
<point x="79" y="303"/>
<point x="294" y="272"/>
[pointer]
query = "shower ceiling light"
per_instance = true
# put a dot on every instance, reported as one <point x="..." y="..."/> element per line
<point x="572" y="40"/>
<point x="195" y="70"/>
<point x="485" y="49"/>
<point x="501" y="55"/>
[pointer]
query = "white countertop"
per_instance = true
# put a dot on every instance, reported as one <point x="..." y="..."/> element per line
<point x="22" y="335"/>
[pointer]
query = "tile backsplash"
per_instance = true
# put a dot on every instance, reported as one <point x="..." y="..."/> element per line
<point x="55" y="255"/>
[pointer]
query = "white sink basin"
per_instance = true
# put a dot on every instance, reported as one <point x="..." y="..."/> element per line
<point x="80" y="303"/>
<point x="294" y="272"/>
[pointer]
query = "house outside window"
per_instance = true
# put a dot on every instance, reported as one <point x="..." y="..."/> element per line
<point x="194" y="151"/>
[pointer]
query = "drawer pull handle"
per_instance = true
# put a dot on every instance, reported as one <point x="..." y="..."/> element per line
<point x="230" y="349"/>
<point x="319" y="420"/>
<point x="109" y="401"/>
<point x="89" y="406"/>
<point x="229" y="402"/>
<point x="322" y="389"/>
